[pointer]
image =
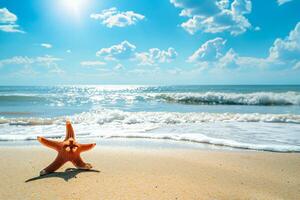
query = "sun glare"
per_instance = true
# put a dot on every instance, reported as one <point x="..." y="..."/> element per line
<point x="73" y="7"/>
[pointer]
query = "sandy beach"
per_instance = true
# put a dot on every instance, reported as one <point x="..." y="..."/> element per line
<point x="150" y="100"/>
<point x="136" y="173"/>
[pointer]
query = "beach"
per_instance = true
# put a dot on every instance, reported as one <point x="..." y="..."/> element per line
<point x="150" y="100"/>
<point x="153" y="142"/>
<point x="151" y="173"/>
<point x="246" y="117"/>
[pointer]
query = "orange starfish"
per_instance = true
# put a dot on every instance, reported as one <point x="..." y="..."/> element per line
<point x="68" y="150"/>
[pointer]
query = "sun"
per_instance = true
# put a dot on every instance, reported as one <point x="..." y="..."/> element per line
<point x="73" y="7"/>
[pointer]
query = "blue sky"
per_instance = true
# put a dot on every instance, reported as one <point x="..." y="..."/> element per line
<point x="149" y="42"/>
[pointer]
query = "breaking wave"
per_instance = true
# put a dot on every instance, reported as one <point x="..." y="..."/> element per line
<point x="106" y="116"/>
<point x="197" y="98"/>
<point x="246" y="131"/>
<point x="199" y="138"/>
<point x="195" y="138"/>
<point x="220" y="98"/>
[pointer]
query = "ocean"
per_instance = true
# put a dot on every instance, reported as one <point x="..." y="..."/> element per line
<point x="245" y="117"/>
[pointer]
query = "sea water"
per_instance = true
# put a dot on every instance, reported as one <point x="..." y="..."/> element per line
<point x="248" y="117"/>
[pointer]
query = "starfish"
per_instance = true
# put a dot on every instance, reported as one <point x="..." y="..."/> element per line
<point x="68" y="150"/>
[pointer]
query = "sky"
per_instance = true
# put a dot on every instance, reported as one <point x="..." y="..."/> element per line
<point x="149" y="42"/>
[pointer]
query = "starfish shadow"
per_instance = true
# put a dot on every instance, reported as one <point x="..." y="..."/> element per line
<point x="66" y="175"/>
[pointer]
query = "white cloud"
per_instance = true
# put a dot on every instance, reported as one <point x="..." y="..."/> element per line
<point x="257" y="28"/>
<point x="287" y="49"/>
<point x="11" y="28"/>
<point x="46" y="59"/>
<point x="175" y="71"/>
<point x="69" y="51"/>
<point x="46" y="45"/>
<point x="194" y="7"/>
<point x="92" y="63"/>
<point x="209" y="51"/>
<point x="229" y="60"/>
<point x="56" y="70"/>
<point x="17" y="60"/>
<point x="112" y="17"/>
<point x="121" y="51"/>
<point x="211" y="54"/>
<point x="241" y="6"/>
<point x="8" y="21"/>
<point x="25" y="60"/>
<point x="214" y="16"/>
<point x="281" y="2"/>
<point x="127" y="51"/>
<point x="284" y="53"/>
<point x="297" y="66"/>
<point x="28" y="63"/>
<point x="233" y="60"/>
<point x="155" y="55"/>
<point x="119" y="66"/>
<point x="6" y="16"/>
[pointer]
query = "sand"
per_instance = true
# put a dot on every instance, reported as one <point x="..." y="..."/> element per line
<point x="137" y="173"/>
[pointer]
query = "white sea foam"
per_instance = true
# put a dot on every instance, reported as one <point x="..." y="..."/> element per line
<point x="89" y="132"/>
<point x="271" y="132"/>
<point x="104" y="116"/>
<point x="201" y="98"/>
<point x="199" y="138"/>
<point x="214" y="98"/>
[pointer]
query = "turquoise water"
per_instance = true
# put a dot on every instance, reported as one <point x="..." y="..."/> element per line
<point x="251" y="117"/>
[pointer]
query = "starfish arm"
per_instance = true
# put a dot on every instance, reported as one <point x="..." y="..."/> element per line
<point x="86" y="147"/>
<point x="49" y="143"/>
<point x="69" y="131"/>
<point x="57" y="163"/>
<point x="78" y="162"/>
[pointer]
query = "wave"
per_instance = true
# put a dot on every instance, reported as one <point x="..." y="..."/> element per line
<point x="195" y="138"/>
<point x="244" y="131"/>
<point x="199" y="138"/>
<point x="106" y="116"/>
<point x="196" y="98"/>
<point x="221" y="98"/>
<point x="32" y="121"/>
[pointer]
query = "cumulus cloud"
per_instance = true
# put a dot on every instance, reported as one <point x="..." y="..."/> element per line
<point x="121" y="51"/>
<point x="281" y="2"/>
<point x="283" y="53"/>
<point x="92" y="63"/>
<point x="6" y="16"/>
<point x="214" y="16"/>
<point x="287" y="48"/>
<point x="8" y="21"/>
<point x="209" y="51"/>
<point x="127" y="51"/>
<point x="241" y="6"/>
<point x="229" y="60"/>
<point x="233" y="60"/>
<point x="46" y="45"/>
<point x="212" y="54"/>
<point x="112" y="17"/>
<point x="194" y="7"/>
<point x="154" y="56"/>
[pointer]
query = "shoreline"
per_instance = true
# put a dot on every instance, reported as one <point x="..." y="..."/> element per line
<point x="141" y="142"/>
<point x="132" y="172"/>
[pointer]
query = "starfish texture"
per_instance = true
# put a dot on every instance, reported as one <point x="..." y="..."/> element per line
<point x="68" y="150"/>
